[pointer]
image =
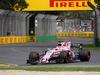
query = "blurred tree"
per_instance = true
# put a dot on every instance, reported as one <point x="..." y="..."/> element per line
<point x="52" y="12"/>
<point x="4" y="4"/>
<point x="98" y="3"/>
<point x="21" y="5"/>
<point x="13" y="4"/>
<point x="76" y="14"/>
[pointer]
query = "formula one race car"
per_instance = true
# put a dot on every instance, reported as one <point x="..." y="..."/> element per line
<point x="64" y="52"/>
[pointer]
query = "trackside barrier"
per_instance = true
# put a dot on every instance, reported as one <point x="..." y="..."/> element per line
<point x="81" y="34"/>
<point x="31" y="39"/>
<point x="16" y="39"/>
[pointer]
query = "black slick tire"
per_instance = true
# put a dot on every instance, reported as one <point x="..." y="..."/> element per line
<point x="64" y="55"/>
<point x="84" y="55"/>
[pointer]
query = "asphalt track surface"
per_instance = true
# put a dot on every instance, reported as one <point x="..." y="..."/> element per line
<point x="18" y="53"/>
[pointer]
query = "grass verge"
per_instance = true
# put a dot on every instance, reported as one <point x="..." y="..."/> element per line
<point x="60" y="68"/>
<point x="91" y="47"/>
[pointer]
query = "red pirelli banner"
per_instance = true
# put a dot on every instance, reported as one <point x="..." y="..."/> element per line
<point x="58" y="5"/>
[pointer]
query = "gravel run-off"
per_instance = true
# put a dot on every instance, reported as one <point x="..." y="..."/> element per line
<point x="22" y="72"/>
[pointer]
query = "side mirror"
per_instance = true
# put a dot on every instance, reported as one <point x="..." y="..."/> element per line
<point x="81" y="46"/>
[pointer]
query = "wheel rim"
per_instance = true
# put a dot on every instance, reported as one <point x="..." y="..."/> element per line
<point x="88" y="55"/>
<point x="67" y="57"/>
<point x="37" y="56"/>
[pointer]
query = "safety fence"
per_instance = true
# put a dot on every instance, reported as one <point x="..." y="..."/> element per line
<point x="13" y="23"/>
<point x="81" y="34"/>
<point x="16" y="39"/>
<point x="19" y="27"/>
<point x="45" y="27"/>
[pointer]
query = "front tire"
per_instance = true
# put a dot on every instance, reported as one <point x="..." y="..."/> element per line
<point x="34" y="55"/>
<point x="33" y="58"/>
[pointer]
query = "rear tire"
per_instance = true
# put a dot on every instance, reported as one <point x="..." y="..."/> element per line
<point x="84" y="55"/>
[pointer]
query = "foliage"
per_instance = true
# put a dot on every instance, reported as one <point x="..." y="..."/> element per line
<point x="60" y="68"/>
<point x="4" y="4"/>
<point x="75" y="14"/>
<point x="98" y="3"/>
<point x="13" y="4"/>
<point x="21" y="5"/>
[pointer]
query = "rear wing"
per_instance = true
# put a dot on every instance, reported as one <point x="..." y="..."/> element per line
<point x="77" y="45"/>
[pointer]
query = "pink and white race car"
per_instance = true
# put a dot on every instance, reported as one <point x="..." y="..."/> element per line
<point x="64" y="52"/>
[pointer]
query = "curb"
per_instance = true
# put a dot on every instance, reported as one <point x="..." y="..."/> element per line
<point x="8" y="65"/>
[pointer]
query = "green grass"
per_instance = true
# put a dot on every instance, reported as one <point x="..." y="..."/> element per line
<point x="91" y="47"/>
<point x="3" y="63"/>
<point x="60" y="68"/>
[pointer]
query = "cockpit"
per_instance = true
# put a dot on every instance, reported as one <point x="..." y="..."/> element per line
<point x="59" y="44"/>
